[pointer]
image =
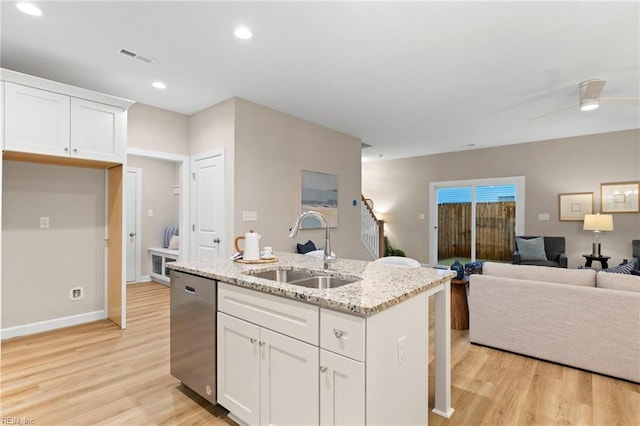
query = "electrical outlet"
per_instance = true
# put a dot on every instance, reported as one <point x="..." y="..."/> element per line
<point x="150" y="213"/>
<point x="44" y="222"/>
<point x="75" y="293"/>
<point x="402" y="349"/>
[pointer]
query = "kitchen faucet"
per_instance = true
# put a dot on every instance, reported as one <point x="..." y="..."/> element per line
<point x="328" y="257"/>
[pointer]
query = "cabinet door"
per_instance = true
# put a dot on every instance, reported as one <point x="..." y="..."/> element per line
<point x="239" y="368"/>
<point x="97" y="131"/>
<point x="341" y="390"/>
<point x="36" y="121"/>
<point x="288" y="381"/>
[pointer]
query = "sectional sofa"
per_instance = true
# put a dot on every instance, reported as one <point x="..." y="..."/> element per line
<point x="576" y="317"/>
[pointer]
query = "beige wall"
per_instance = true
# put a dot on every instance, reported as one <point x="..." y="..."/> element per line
<point x="214" y="129"/>
<point x="40" y="266"/>
<point x="580" y="164"/>
<point x="271" y="148"/>
<point x="158" y="179"/>
<point x="157" y="129"/>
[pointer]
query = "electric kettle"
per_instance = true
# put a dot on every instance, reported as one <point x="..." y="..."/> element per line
<point x="251" y="249"/>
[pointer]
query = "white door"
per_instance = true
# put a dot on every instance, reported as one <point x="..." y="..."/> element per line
<point x="341" y="390"/>
<point x="208" y="207"/>
<point x="133" y="225"/>
<point x="238" y="368"/>
<point x="288" y="380"/>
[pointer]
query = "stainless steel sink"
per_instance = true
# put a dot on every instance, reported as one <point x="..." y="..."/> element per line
<point x="322" y="282"/>
<point x="309" y="279"/>
<point x="283" y="276"/>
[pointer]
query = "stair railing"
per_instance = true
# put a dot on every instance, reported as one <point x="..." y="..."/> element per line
<point x="372" y="230"/>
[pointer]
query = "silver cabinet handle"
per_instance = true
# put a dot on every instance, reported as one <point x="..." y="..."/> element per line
<point x="66" y="149"/>
<point x="132" y="234"/>
<point x="338" y="333"/>
<point x="261" y="343"/>
<point x="323" y="368"/>
<point x="75" y="150"/>
<point x="252" y="340"/>
<point x="216" y="240"/>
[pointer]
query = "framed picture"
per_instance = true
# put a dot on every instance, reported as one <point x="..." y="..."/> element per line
<point x="319" y="192"/>
<point x="619" y="197"/>
<point x="574" y="206"/>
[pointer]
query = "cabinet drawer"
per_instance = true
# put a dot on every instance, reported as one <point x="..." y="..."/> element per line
<point x="289" y="317"/>
<point x="342" y="333"/>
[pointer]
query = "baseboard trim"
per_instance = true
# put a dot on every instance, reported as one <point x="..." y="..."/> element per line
<point x="143" y="279"/>
<point x="39" y="327"/>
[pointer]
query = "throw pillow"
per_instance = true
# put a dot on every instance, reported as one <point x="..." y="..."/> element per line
<point x="174" y="244"/>
<point x="306" y="247"/>
<point x="531" y="248"/>
<point x="625" y="268"/>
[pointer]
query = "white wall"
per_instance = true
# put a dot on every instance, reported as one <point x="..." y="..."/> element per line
<point x="579" y="164"/>
<point x="40" y="266"/>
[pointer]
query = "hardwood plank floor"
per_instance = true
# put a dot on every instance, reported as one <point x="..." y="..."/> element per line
<point x="98" y="374"/>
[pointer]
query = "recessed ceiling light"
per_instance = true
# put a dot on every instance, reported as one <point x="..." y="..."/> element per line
<point x="243" y="33"/>
<point x="29" y="9"/>
<point x="159" y="85"/>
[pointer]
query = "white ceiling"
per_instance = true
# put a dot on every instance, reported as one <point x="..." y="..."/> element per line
<point x="409" y="78"/>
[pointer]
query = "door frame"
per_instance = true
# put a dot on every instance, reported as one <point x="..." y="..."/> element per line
<point x="138" y="230"/>
<point x="184" y="211"/>
<point x="518" y="181"/>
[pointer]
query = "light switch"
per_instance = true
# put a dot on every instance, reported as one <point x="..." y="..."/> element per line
<point x="421" y="216"/>
<point x="44" y="222"/>
<point x="150" y="213"/>
<point x="249" y="216"/>
<point x="543" y="216"/>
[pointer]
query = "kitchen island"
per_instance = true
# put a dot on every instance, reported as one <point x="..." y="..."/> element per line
<point x="354" y="354"/>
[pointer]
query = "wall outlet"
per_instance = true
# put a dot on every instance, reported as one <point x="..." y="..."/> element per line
<point x="402" y="350"/>
<point x="76" y="293"/>
<point x="44" y="222"/>
<point x="543" y="216"/>
<point x="150" y="213"/>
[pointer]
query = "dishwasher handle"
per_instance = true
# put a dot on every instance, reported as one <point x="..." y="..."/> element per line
<point x="189" y="289"/>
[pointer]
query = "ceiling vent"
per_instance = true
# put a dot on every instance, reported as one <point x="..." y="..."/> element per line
<point x="365" y="145"/>
<point x="134" y="55"/>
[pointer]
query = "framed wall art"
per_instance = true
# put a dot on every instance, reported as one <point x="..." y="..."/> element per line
<point x="319" y="192"/>
<point x="619" y="197"/>
<point x="573" y="206"/>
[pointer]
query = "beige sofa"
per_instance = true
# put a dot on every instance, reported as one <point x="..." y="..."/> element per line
<point x="576" y="317"/>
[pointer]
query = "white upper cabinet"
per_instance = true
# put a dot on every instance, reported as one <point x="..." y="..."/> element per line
<point x="49" y="118"/>
<point x="97" y="131"/>
<point x="36" y="120"/>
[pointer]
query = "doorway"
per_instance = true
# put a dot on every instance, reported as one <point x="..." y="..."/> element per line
<point x="174" y="187"/>
<point x="475" y="220"/>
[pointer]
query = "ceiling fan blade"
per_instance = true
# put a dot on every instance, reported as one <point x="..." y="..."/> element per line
<point x="554" y="112"/>
<point x="593" y="89"/>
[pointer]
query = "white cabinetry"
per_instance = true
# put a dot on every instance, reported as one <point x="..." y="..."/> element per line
<point x="281" y="361"/>
<point x="42" y="122"/>
<point x="342" y="385"/>
<point x="158" y="259"/>
<point x="264" y="376"/>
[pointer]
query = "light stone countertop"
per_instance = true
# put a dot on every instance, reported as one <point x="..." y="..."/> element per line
<point x="377" y="286"/>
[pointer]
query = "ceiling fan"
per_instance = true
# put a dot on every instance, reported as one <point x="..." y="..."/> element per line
<point x="590" y="98"/>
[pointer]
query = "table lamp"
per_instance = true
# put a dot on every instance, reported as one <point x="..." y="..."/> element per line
<point x="597" y="223"/>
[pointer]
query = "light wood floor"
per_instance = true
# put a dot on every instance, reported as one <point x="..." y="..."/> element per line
<point x="98" y="374"/>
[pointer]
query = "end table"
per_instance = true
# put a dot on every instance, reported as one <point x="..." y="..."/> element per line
<point x="602" y="259"/>
<point x="459" y="304"/>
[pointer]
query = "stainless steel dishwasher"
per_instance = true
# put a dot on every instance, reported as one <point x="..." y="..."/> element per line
<point x="193" y="333"/>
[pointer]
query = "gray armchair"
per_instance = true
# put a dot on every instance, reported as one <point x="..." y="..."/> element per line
<point x="554" y="248"/>
<point x="635" y="253"/>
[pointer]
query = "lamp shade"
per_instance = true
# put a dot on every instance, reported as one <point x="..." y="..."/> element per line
<point x="598" y="222"/>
